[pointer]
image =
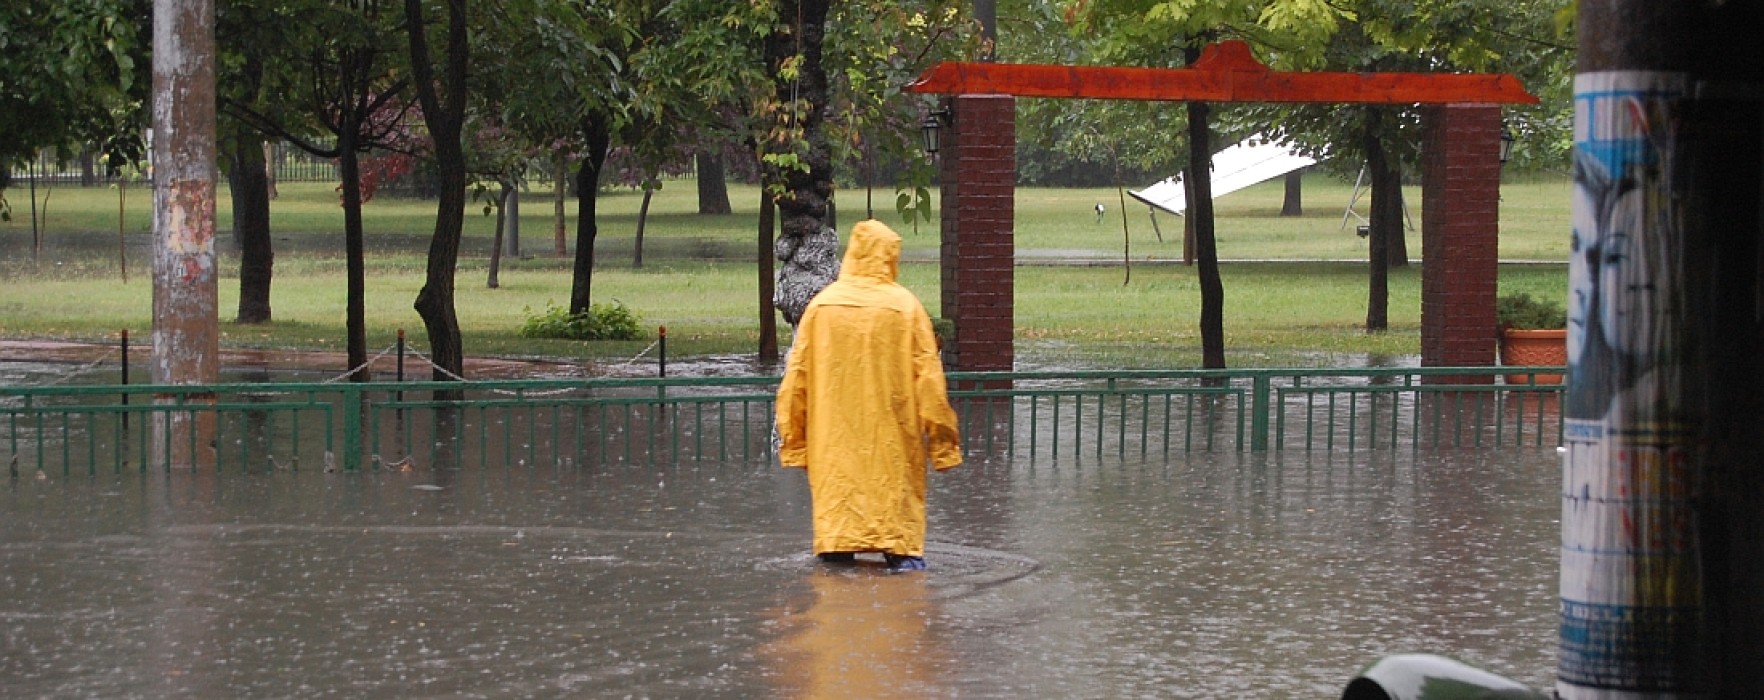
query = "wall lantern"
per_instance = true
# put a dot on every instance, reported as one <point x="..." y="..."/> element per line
<point x="1507" y="144"/>
<point x="931" y="127"/>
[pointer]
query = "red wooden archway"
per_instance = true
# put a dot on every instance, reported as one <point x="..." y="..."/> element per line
<point x="1460" y="179"/>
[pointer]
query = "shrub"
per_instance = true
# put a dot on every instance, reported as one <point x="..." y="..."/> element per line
<point x="944" y="329"/>
<point x="612" y="321"/>
<point x="1522" y="312"/>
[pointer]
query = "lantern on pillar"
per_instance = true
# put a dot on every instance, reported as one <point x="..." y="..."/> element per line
<point x="1506" y="144"/>
<point x="931" y="128"/>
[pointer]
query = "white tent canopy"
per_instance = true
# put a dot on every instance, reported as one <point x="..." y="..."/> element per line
<point x="1253" y="160"/>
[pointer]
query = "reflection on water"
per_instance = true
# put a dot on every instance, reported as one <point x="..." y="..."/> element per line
<point x="1205" y="576"/>
<point x="860" y="632"/>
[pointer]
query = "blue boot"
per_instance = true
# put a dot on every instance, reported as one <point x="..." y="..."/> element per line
<point x="899" y="563"/>
<point x="837" y="558"/>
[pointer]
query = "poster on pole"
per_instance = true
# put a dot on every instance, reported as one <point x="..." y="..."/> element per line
<point x="1631" y="596"/>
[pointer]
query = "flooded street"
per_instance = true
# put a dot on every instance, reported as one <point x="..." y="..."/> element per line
<point x="1207" y="576"/>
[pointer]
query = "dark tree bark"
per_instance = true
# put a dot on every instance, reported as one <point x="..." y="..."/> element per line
<point x="713" y="185"/>
<point x="1386" y="222"/>
<point x="1293" y="203"/>
<point x="560" y="186"/>
<point x="1187" y="220"/>
<point x="1206" y="248"/>
<point x="598" y="135"/>
<point x="510" y="217"/>
<point x="355" y="313"/>
<point x="503" y="196"/>
<point x="269" y="169"/>
<point x="768" y="316"/>
<point x="444" y="113"/>
<point x="88" y="168"/>
<point x="1397" y="252"/>
<point x="803" y="209"/>
<point x="249" y="182"/>
<point x="642" y="220"/>
<point x="351" y="85"/>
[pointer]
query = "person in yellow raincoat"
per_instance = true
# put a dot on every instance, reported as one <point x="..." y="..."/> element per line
<point x="862" y="399"/>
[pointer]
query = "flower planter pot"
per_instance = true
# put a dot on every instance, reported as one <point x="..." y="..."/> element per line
<point x="1534" y="348"/>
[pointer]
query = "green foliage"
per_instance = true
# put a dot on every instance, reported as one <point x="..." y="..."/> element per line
<point x="913" y="206"/>
<point x="612" y="321"/>
<point x="74" y="75"/>
<point x="1522" y="312"/>
<point x="944" y="329"/>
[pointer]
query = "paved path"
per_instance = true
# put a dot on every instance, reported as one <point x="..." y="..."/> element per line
<point x="386" y="367"/>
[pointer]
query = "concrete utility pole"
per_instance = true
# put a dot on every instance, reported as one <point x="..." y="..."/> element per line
<point x="1663" y="494"/>
<point x="186" y="320"/>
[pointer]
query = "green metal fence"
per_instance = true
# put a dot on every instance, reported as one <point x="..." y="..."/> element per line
<point x="1052" y="416"/>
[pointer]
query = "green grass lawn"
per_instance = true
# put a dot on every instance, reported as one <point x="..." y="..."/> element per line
<point x="1295" y="287"/>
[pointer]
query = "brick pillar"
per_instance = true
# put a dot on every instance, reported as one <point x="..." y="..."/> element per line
<point x="1460" y="197"/>
<point x="979" y="175"/>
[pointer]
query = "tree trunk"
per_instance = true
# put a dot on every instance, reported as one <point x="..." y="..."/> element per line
<point x="1293" y="204"/>
<point x="502" y="198"/>
<point x="269" y="169"/>
<point x="510" y="217"/>
<point x="355" y="314"/>
<point x="1386" y="222"/>
<point x="803" y="210"/>
<point x="249" y="183"/>
<point x="768" y="316"/>
<point x="445" y="115"/>
<point x="599" y="139"/>
<point x="1188" y="219"/>
<point x="713" y="185"/>
<point x="1200" y="209"/>
<point x="1206" y="248"/>
<point x="642" y="218"/>
<point x="560" y="189"/>
<point x="1397" y="252"/>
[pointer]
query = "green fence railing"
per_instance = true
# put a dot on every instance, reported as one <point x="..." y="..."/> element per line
<point x="1022" y="415"/>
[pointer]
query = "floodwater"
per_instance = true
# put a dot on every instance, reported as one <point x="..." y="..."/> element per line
<point x="1203" y="576"/>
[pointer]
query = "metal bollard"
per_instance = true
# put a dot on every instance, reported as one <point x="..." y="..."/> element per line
<point x="662" y="342"/>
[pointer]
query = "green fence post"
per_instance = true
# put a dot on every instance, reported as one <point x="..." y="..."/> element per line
<point x="351" y="428"/>
<point x="1259" y="412"/>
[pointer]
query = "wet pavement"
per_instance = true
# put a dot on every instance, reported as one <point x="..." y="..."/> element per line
<point x="26" y="361"/>
<point x="1212" y="576"/>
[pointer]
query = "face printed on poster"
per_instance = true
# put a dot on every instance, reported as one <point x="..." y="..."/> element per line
<point x="1623" y="273"/>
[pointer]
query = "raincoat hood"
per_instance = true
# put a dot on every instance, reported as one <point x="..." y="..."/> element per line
<point x="873" y="253"/>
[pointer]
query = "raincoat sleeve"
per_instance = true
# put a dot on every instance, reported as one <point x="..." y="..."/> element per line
<point x="936" y="418"/>
<point x="792" y="411"/>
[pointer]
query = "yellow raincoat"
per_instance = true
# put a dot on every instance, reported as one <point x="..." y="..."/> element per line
<point x="862" y="391"/>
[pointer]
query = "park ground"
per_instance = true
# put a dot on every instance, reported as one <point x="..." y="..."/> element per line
<point x="1295" y="286"/>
